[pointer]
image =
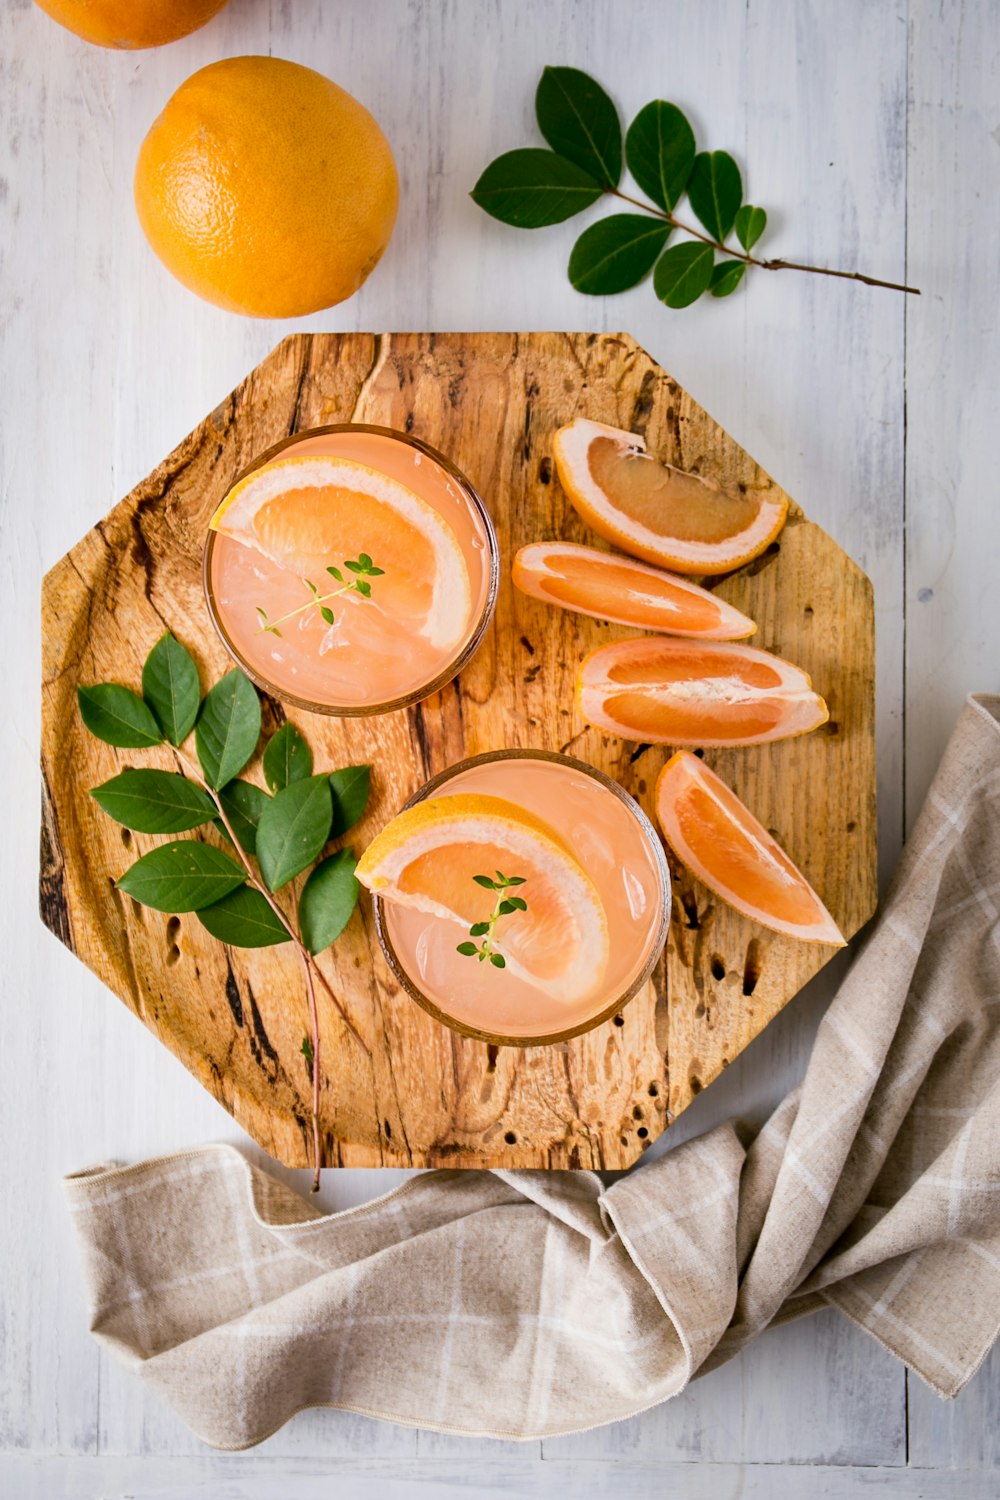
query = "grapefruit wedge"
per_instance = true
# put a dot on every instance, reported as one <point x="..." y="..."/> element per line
<point x="722" y="843"/>
<point x="676" y="692"/>
<point x="428" y="858"/>
<point x="625" y="592"/>
<point x="656" y="512"/>
<point x="310" y="512"/>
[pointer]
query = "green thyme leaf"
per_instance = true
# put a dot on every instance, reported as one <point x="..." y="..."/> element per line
<point x="616" y="253"/>
<point x="350" y="788"/>
<point x="244" y="804"/>
<point x="580" y="122"/>
<point x="479" y="929"/>
<point x="517" y="903"/>
<point x="516" y="879"/>
<point x="505" y="908"/>
<point x="726" y="277"/>
<point x="467" y="949"/>
<point x="353" y="567"/>
<point x="683" y="272"/>
<point x="154" y="801"/>
<point x="364" y="589"/>
<point x="498" y="960"/>
<point x="118" y="716"/>
<point x="660" y="150"/>
<point x="486" y="881"/>
<point x="715" y="191"/>
<point x="336" y="573"/>
<point x="171" y="688"/>
<point x="328" y="899"/>
<point x="531" y="188"/>
<point x="286" y="758"/>
<point x="750" y="224"/>
<point x="243" y="919"/>
<point x="293" y="829"/>
<point x="228" y="728"/>
<point x="327" y="613"/>
<point x="182" y="876"/>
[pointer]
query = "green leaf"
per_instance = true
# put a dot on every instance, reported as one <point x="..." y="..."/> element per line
<point x="468" y="949"/>
<point x="580" y="122"/>
<point x="154" y="801"/>
<point x="726" y="277"/>
<point x="293" y="829"/>
<point x="479" y="929"/>
<point x="327" y="613"/>
<point x="485" y="880"/>
<point x="171" y="688"/>
<point x="182" y="876"/>
<point x="364" y="589"/>
<point x="286" y="758"/>
<point x="243" y="919"/>
<point x="355" y="567"/>
<point x="715" y="190"/>
<point x="683" y="273"/>
<point x="750" y="225"/>
<point x="336" y="573"/>
<point x="228" y="728"/>
<point x="615" y="253"/>
<point x="660" y="150"/>
<point x="505" y="908"/>
<point x="498" y="960"/>
<point x="350" y="789"/>
<point x="328" y="898"/>
<point x="532" y="187"/>
<point x="516" y="879"/>
<point x="244" y="804"/>
<point x="118" y="716"/>
<point x="518" y="903"/>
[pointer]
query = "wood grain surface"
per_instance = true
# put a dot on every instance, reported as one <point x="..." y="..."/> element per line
<point x="426" y="1096"/>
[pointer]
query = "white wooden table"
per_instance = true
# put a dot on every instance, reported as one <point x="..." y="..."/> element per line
<point x="871" y="132"/>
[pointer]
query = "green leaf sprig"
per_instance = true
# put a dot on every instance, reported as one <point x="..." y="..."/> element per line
<point x="533" y="187"/>
<point x="272" y="836"/>
<point x="362" y="567"/>
<point x="503" y="907"/>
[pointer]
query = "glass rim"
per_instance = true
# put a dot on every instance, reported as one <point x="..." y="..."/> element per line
<point x="453" y="667"/>
<point x="656" y="946"/>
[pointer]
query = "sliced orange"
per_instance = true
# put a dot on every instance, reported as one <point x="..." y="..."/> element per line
<point x="695" y="693"/>
<point x="722" y="843"/>
<point x="625" y="592"/>
<point x="429" y="855"/>
<point x="657" y="512"/>
<point x="310" y="512"/>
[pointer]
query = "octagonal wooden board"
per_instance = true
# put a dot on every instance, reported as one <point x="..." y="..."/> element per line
<point x="426" y="1096"/>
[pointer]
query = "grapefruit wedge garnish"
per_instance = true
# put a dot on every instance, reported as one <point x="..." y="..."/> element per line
<point x="675" y="692"/>
<point x="722" y="843"/>
<point x="656" y="512"/>
<point x="428" y="858"/>
<point x="624" y="591"/>
<point x="307" y="513"/>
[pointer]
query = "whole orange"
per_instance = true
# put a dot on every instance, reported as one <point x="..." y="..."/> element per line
<point x="131" y="23"/>
<point x="265" y="188"/>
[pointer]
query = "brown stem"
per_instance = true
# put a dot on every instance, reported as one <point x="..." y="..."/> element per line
<point x="314" y="1017"/>
<point x="751" y="260"/>
<point x="308" y="960"/>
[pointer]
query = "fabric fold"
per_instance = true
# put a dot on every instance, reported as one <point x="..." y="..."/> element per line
<point x="524" y="1305"/>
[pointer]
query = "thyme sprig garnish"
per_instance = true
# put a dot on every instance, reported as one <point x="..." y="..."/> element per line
<point x="503" y="907"/>
<point x="362" y="566"/>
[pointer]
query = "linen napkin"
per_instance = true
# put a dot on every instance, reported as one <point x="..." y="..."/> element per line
<point x="525" y="1304"/>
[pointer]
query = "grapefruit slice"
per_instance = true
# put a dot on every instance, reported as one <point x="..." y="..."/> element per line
<point x="674" y="692"/>
<point x="625" y="592"/>
<point x="655" y="511"/>
<point x="428" y="858"/>
<point x="310" y="512"/>
<point x="722" y="843"/>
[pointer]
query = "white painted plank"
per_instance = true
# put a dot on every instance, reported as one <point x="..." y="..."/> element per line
<point x="953" y="373"/>
<point x="242" y="1477"/>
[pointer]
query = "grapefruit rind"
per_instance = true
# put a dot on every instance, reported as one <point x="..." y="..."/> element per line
<point x="539" y="563"/>
<point x="451" y="591"/>
<point x="530" y="845"/>
<point x="571" y="447"/>
<point x="683" y="771"/>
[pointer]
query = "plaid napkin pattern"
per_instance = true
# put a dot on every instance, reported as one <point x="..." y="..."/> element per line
<point x="526" y="1304"/>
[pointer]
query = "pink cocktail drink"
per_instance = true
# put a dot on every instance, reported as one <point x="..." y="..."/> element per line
<point x="285" y="592"/>
<point x="616" y="845"/>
